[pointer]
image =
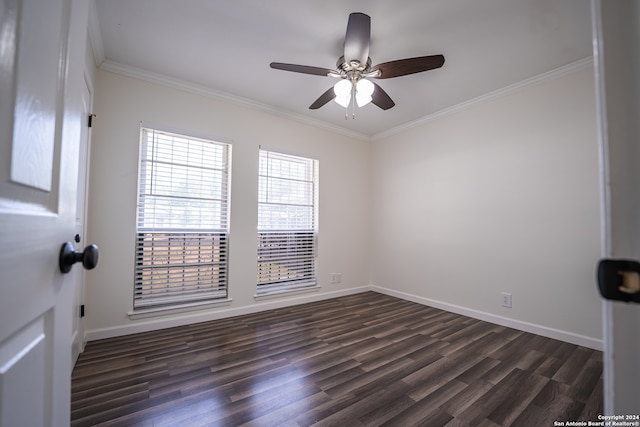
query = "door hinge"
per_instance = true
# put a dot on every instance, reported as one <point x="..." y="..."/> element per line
<point x="90" y="121"/>
<point x="82" y="310"/>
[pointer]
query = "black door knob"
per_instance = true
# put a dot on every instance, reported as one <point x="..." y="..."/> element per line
<point x="69" y="256"/>
<point x="619" y="279"/>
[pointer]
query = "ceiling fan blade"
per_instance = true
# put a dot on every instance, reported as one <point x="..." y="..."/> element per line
<point x="356" y="41"/>
<point x="403" y="67"/>
<point x="324" y="98"/>
<point x="380" y="98"/>
<point x="304" y="69"/>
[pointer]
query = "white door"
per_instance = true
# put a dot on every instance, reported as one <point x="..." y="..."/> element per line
<point x="42" y="48"/>
<point x="616" y="36"/>
<point x="77" y="332"/>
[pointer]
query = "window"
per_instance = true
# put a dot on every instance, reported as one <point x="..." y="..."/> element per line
<point x="287" y="222"/>
<point x="182" y="226"/>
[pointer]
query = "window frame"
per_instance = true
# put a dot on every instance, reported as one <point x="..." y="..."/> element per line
<point x="196" y="245"/>
<point x="287" y="251"/>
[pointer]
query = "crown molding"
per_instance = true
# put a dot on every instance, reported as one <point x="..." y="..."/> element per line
<point x="159" y="79"/>
<point x="507" y="90"/>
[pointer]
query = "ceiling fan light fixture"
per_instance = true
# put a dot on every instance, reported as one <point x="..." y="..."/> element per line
<point x="342" y="90"/>
<point x="364" y="90"/>
<point x="354" y="70"/>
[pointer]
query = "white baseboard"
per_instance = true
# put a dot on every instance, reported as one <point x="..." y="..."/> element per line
<point x="205" y="316"/>
<point x="188" y="318"/>
<point x="544" y="331"/>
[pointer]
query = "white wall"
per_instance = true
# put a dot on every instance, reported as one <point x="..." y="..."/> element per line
<point x="500" y="197"/>
<point x="120" y="104"/>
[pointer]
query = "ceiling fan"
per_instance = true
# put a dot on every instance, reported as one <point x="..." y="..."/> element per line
<point x="355" y="71"/>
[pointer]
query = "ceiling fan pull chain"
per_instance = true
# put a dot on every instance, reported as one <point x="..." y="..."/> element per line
<point x="353" y="105"/>
<point x="353" y="102"/>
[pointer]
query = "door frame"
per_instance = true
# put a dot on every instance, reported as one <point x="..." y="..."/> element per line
<point x="84" y="165"/>
<point x="616" y="52"/>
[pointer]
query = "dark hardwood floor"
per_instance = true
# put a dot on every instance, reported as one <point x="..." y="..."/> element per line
<point x="361" y="360"/>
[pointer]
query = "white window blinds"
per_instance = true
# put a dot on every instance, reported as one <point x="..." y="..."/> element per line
<point x="287" y="222"/>
<point x="182" y="226"/>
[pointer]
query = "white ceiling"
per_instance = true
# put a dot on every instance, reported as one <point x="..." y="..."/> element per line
<point x="225" y="47"/>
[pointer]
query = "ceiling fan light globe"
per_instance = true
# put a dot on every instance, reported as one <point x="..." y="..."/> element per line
<point x="362" y="100"/>
<point x="365" y="87"/>
<point x="343" y="102"/>
<point x="342" y="90"/>
<point x="364" y="90"/>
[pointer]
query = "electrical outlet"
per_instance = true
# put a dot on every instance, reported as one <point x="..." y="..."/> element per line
<point x="336" y="278"/>
<point x="506" y="299"/>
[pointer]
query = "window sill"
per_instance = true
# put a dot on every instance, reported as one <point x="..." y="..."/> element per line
<point x="176" y="309"/>
<point x="285" y="293"/>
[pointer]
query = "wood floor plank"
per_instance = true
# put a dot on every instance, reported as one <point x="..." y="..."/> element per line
<point x="585" y="381"/>
<point x="493" y="399"/>
<point x="421" y="413"/>
<point x="467" y="397"/>
<point x="572" y="366"/>
<point x="361" y="360"/>
<point x="365" y="404"/>
<point x="592" y="407"/>
<point x="362" y="384"/>
<point x="549" y="366"/>
<point x="392" y="350"/>
<point x="285" y="416"/>
<point x="512" y="406"/>
<point x="318" y="414"/>
<point x="552" y="403"/>
<point x="434" y="376"/>
<point x="387" y="408"/>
